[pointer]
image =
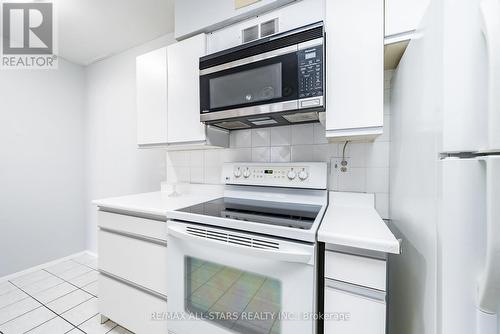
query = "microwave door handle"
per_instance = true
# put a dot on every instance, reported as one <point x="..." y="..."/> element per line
<point x="489" y="282"/>
<point x="277" y="255"/>
<point x="490" y="17"/>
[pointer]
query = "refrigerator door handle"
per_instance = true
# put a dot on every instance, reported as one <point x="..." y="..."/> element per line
<point x="489" y="282"/>
<point x="490" y="17"/>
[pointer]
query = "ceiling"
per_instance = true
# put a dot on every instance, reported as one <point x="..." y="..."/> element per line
<point x="89" y="30"/>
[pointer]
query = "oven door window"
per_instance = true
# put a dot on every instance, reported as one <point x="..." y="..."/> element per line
<point x="240" y="301"/>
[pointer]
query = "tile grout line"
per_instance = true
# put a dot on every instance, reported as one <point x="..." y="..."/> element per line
<point x="42" y="305"/>
<point x="83" y="264"/>
<point x="17" y="301"/>
<point x="36" y="308"/>
<point x="63" y="281"/>
<point x="45" y="306"/>
<point x="76" y="286"/>
<point x="79" y="288"/>
<point x="15" y="288"/>
<point x="39" y="280"/>
<point x="48" y="308"/>
<point x="60" y="315"/>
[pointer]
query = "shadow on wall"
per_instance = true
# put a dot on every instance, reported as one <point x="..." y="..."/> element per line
<point x="406" y="297"/>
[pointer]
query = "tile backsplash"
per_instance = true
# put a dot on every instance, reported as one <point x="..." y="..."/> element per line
<point x="367" y="169"/>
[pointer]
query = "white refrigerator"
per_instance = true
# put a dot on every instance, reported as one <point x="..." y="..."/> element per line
<point x="445" y="172"/>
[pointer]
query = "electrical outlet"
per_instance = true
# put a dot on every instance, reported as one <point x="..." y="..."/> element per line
<point x="340" y="165"/>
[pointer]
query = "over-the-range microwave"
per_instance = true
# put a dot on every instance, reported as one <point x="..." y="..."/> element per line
<point x="276" y="80"/>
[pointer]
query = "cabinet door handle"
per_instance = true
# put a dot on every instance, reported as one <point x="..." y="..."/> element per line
<point x="133" y="285"/>
<point x="135" y="236"/>
<point x="357" y="290"/>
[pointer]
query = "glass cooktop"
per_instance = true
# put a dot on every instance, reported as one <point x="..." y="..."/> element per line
<point x="300" y="216"/>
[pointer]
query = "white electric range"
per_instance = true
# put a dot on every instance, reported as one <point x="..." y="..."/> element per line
<point x="245" y="263"/>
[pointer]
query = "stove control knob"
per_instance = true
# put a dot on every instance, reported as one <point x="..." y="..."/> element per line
<point x="246" y="173"/>
<point x="303" y="175"/>
<point x="291" y="175"/>
<point x="237" y="173"/>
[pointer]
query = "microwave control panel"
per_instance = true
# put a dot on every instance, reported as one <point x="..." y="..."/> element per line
<point x="310" y="65"/>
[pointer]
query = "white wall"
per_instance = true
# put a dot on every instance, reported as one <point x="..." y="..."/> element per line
<point x="114" y="165"/>
<point x="41" y="165"/>
<point x="368" y="162"/>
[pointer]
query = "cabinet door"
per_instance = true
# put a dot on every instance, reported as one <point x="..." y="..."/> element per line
<point x="151" y="89"/>
<point x="403" y="15"/>
<point x="356" y="314"/>
<point x="184" y="124"/>
<point x="131" y="308"/>
<point x="134" y="259"/>
<point x="355" y="68"/>
<point x="193" y="16"/>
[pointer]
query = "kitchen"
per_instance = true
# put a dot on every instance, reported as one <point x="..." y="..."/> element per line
<point x="251" y="166"/>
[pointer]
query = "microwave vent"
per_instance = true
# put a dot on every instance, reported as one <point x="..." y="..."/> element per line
<point x="262" y="121"/>
<point x="269" y="28"/>
<point x="250" y="34"/>
<point x="302" y="117"/>
<point x="232" y="125"/>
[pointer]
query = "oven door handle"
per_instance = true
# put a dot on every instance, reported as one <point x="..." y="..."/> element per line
<point x="298" y="256"/>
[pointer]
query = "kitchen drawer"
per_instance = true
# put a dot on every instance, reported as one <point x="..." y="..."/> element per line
<point x="135" y="225"/>
<point x="356" y="313"/>
<point x="131" y="307"/>
<point x="368" y="272"/>
<point x="139" y="261"/>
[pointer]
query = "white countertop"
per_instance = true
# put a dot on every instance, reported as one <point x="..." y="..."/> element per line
<point x="159" y="203"/>
<point x="351" y="220"/>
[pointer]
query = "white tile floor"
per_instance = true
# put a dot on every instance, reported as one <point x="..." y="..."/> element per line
<point x="59" y="299"/>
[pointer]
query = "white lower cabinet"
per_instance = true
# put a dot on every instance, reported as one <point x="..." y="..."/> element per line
<point x="136" y="260"/>
<point x="355" y="294"/>
<point x="133" y="272"/>
<point x="132" y="308"/>
<point x="352" y="313"/>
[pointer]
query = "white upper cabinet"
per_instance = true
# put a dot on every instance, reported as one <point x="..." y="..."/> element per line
<point x="403" y="16"/>
<point x="168" y="107"/>
<point x="195" y="16"/>
<point x="151" y="98"/>
<point x="355" y="69"/>
<point x="295" y="15"/>
<point x="184" y="124"/>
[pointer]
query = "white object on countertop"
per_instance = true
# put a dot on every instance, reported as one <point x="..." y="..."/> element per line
<point x="351" y="220"/>
<point x="159" y="203"/>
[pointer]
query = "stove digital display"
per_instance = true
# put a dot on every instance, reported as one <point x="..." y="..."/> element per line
<point x="268" y="171"/>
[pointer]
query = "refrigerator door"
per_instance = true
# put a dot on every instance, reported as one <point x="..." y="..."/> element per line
<point x="464" y="66"/>
<point x="490" y="14"/>
<point x="471" y="76"/>
<point x="489" y="283"/>
<point x="461" y="239"/>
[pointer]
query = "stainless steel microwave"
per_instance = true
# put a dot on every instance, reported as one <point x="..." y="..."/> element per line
<point x="272" y="81"/>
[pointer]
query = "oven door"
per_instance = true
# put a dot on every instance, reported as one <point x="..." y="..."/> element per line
<point x="256" y="85"/>
<point x="221" y="281"/>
